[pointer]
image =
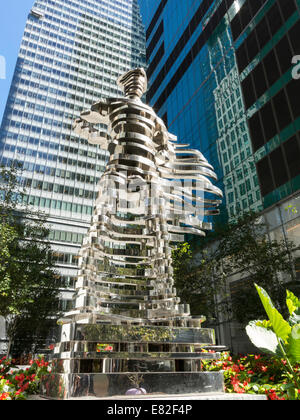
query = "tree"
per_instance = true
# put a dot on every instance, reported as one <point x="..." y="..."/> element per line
<point x="245" y="248"/>
<point x="195" y="281"/>
<point x="242" y="248"/>
<point x="28" y="286"/>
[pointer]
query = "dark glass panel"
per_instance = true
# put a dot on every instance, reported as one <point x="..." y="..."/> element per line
<point x="287" y="8"/>
<point x="241" y="56"/>
<point x="256" y="131"/>
<point x="274" y="19"/>
<point x="248" y="91"/>
<point x="265" y="176"/>
<point x="293" y="93"/>
<point x="259" y="80"/>
<point x="284" y="54"/>
<point x="282" y="110"/>
<point x="262" y="32"/>
<point x="268" y="121"/>
<point x="295" y="37"/>
<point x="252" y="46"/>
<point x="292" y="154"/>
<point x="271" y="68"/>
<point x="279" y="167"/>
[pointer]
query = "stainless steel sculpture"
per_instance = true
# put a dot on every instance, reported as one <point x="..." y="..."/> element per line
<point x="143" y="206"/>
<point x="152" y="193"/>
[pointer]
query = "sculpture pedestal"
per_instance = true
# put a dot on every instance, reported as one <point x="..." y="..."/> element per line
<point x="106" y="360"/>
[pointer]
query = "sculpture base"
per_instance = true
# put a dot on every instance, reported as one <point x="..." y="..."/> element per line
<point x="101" y="385"/>
<point x="104" y="360"/>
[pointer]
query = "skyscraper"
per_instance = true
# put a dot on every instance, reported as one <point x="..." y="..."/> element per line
<point x="71" y="55"/>
<point x="223" y="75"/>
<point x="228" y="64"/>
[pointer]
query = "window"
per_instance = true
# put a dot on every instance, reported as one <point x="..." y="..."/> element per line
<point x="293" y="93"/>
<point x="265" y="176"/>
<point x="292" y="153"/>
<point x="274" y="19"/>
<point x="248" y="91"/>
<point x="284" y="54"/>
<point x="287" y="8"/>
<point x="256" y="131"/>
<point x="268" y="120"/>
<point x="262" y="31"/>
<point x="259" y="80"/>
<point x="282" y="109"/>
<point x="279" y="167"/>
<point x="252" y="46"/>
<point x="271" y="68"/>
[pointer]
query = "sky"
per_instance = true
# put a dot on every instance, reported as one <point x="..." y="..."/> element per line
<point x="12" y="23"/>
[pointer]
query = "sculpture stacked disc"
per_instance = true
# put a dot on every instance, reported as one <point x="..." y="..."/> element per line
<point x="152" y="193"/>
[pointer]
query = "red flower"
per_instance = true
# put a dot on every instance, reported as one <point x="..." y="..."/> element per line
<point x="238" y="389"/>
<point x="108" y="348"/>
<point x="4" y="396"/>
<point x="235" y="368"/>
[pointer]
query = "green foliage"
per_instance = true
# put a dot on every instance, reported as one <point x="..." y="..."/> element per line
<point x="28" y="290"/>
<point x="280" y="327"/>
<point x="201" y="273"/>
<point x="291" y="209"/>
<point x="280" y="338"/>
<point x="193" y="280"/>
<point x="18" y="384"/>
<point x="256" y="374"/>
<point x="263" y="338"/>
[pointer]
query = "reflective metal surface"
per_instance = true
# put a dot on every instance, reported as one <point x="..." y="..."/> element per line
<point x="64" y="386"/>
<point x="152" y="192"/>
<point x="127" y="316"/>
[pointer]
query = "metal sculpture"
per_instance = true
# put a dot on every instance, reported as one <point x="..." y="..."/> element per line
<point x="151" y="194"/>
<point x="127" y="319"/>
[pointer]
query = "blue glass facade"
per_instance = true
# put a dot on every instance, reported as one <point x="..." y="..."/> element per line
<point x="221" y="75"/>
<point x="71" y="54"/>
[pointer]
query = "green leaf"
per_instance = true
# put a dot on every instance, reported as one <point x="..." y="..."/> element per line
<point x="265" y="340"/>
<point x="281" y="327"/>
<point x="265" y="324"/>
<point x="294" y="343"/>
<point x="292" y="393"/>
<point x="293" y="303"/>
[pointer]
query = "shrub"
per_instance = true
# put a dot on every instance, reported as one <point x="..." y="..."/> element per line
<point x="255" y="374"/>
<point x="18" y="384"/>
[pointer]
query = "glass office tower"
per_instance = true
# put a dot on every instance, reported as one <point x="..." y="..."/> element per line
<point x="71" y="54"/>
<point x="221" y="76"/>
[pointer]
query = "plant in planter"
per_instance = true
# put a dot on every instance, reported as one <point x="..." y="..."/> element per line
<point x="136" y="379"/>
<point x="279" y="337"/>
